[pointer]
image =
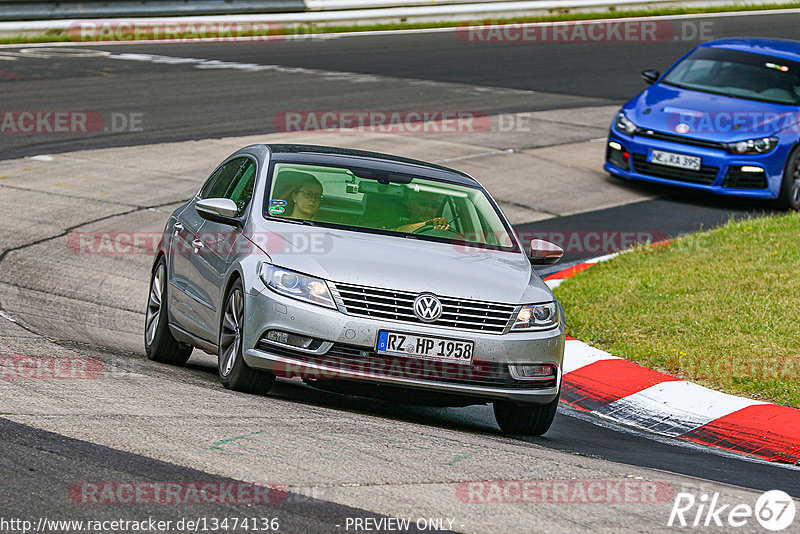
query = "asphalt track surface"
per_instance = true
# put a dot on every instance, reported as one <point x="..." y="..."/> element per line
<point x="181" y="102"/>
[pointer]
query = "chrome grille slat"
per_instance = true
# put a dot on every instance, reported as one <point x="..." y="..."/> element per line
<point x="382" y="303"/>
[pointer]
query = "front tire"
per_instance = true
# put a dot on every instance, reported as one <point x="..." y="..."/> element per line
<point x="525" y="419"/>
<point x="159" y="344"/>
<point x="234" y="373"/>
<point x="789" y="197"/>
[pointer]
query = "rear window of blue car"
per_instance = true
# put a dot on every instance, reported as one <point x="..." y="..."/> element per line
<point x="738" y="74"/>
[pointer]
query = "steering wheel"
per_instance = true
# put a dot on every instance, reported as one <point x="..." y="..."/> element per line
<point x="429" y="229"/>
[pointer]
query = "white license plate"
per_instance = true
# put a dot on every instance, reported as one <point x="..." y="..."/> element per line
<point x="674" y="160"/>
<point x="424" y="347"/>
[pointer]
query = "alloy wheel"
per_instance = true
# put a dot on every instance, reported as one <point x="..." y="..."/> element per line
<point x="231" y="337"/>
<point x="154" y="304"/>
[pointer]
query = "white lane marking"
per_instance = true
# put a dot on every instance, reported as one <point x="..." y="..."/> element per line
<point x="674" y="408"/>
<point x="329" y="75"/>
<point x="7" y="317"/>
<point x="578" y="354"/>
<point x="372" y="33"/>
<point x="478" y="155"/>
<point x="554" y="283"/>
<point x="49" y="52"/>
<point x="42" y="157"/>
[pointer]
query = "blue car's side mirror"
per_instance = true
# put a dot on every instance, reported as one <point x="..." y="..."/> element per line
<point x="650" y="76"/>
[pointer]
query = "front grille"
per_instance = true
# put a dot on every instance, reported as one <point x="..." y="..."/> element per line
<point x="395" y="305"/>
<point x="736" y="178"/>
<point x="342" y="357"/>
<point x="706" y="175"/>
<point x="663" y="136"/>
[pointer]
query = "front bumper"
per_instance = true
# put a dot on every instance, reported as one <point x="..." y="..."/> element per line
<point x="489" y="378"/>
<point x="718" y="166"/>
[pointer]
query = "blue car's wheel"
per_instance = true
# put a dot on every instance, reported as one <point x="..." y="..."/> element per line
<point x="790" y="188"/>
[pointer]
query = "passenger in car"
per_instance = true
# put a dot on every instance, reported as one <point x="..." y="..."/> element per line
<point x="301" y="192"/>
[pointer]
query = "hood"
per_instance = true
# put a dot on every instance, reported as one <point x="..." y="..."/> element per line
<point x="407" y="264"/>
<point x="669" y="109"/>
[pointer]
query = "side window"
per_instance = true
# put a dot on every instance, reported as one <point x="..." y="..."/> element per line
<point x="209" y="183"/>
<point x="234" y="180"/>
<point x="225" y="178"/>
<point x="241" y="190"/>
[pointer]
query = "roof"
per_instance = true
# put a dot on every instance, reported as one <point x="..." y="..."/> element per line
<point x="783" y="48"/>
<point x="351" y="157"/>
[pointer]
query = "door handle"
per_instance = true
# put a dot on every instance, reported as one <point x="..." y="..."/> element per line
<point x="178" y="227"/>
<point x="197" y="244"/>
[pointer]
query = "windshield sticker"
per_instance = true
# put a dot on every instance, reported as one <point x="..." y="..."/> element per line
<point x="782" y="68"/>
<point x="277" y="202"/>
<point x="276" y="210"/>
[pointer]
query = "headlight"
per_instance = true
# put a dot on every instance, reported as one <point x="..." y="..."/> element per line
<point x="536" y="316"/>
<point x="752" y="146"/>
<point x="624" y="124"/>
<point x="296" y="285"/>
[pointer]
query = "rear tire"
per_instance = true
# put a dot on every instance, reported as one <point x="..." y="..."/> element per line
<point x="789" y="197"/>
<point x="159" y="344"/>
<point x="234" y="373"/>
<point x="525" y="419"/>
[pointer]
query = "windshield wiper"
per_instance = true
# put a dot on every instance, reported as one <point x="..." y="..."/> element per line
<point x="304" y="222"/>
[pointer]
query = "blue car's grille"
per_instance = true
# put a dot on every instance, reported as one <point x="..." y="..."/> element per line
<point x="678" y="139"/>
<point x="706" y="175"/>
<point x="379" y="303"/>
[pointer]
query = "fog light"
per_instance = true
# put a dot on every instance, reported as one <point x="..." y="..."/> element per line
<point x="751" y="168"/>
<point x="536" y="371"/>
<point x="617" y="155"/>
<point x="285" y="338"/>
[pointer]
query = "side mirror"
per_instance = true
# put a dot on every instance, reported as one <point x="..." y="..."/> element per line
<point x="544" y="252"/>
<point x="221" y="210"/>
<point x="650" y="76"/>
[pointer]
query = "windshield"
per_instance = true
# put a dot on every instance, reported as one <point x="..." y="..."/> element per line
<point x="738" y="74"/>
<point x="398" y="205"/>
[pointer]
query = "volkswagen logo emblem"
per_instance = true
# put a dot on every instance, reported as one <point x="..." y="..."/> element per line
<point x="682" y="128"/>
<point x="427" y="307"/>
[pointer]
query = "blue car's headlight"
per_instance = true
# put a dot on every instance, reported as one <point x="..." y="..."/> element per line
<point x="761" y="145"/>
<point x="536" y="316"/>
<point x="624" y="124"/>
<point x="296" y="285"/>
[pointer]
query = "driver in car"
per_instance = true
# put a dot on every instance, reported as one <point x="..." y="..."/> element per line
<point x="423" y="207"/>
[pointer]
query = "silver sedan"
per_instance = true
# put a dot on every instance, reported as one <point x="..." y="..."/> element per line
<point x="362" y="273"/>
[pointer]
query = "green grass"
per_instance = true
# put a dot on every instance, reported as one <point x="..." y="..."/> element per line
<point x="721" y="308"/>
<point x="555" y="16"/>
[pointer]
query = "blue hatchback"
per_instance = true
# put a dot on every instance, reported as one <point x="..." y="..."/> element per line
<point x="725" y="119"/>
